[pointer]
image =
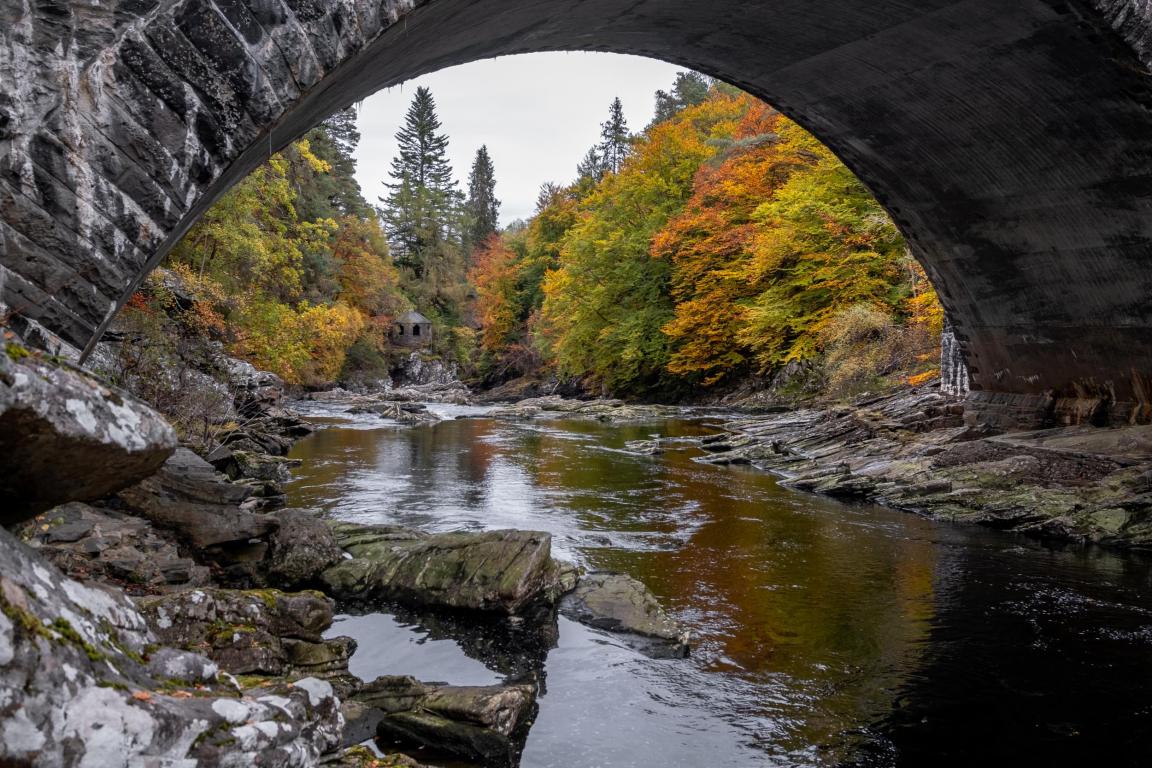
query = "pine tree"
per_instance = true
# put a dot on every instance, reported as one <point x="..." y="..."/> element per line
<point x="341" y="127"/>
<point x="336" y="192"/>
<point x="421" y="211"/>
<point x="588" y="173"/>
<point x="615" y="141"/>
<point x="690" y="89"/>
<point x="482" y="210"/>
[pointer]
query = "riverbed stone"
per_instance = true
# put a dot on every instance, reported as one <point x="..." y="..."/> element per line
<point x="65" y="436"/>
<point x="619" y="603"/>
<point x="911" y="450"/>
<point x="502" y="571"/>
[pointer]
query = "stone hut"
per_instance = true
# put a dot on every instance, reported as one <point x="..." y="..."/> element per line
<point x="412" y="329"/>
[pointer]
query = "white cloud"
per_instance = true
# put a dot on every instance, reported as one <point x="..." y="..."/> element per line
<point x="538" y="113"/>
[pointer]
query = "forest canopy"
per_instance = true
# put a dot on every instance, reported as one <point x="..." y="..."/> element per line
<point x="722" y="244"/>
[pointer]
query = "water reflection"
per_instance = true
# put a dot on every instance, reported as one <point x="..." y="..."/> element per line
<point x="827" y="634"/>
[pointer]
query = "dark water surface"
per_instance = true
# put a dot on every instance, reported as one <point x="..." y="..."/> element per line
<point x="826" y="634"/>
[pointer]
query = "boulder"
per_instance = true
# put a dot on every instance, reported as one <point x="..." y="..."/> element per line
<point x="195" y="501"/>
<point x="485" y="724"/>
<point x="619" y="603"/>
<point x="255" y="632"/>
<point x="502" y="571"/>
<point x="301" y="548"/>
<point x="261" y="466"/>
<point x="76" y="688"/>
<point x="64" y="436"/>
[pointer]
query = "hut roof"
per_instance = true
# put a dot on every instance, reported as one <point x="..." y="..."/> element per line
<point x="412" y="317"/>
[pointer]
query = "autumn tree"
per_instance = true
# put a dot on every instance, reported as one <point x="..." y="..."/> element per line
<point x="823" y="243"/>
<point x="708" y="244"/>
<point x="607" y="303"/>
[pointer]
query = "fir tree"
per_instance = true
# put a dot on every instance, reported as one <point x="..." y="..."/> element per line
<point x="588" y="173"/>
<point x="341" y="128"/>
<point x="421" y="211"/>
<point x="482" y="210"/>
<point x="690" y="89"/>
<point x="615" y="141"/>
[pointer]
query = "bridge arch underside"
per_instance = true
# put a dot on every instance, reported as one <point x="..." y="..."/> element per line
<point x="1011" y="140"/>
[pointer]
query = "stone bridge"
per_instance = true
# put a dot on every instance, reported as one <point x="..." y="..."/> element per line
<point x="1011" y="140"/>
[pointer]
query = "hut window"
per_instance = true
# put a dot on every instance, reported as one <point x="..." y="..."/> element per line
<point x="400" y="330"/>
<point x="415" y="330"/>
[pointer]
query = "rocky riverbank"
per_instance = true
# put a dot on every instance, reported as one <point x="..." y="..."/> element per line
<point x="161" y="606"/>
<point x="913" y="450"/>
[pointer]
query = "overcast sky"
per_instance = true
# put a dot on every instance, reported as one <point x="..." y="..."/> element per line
<point x="538" y="113"/>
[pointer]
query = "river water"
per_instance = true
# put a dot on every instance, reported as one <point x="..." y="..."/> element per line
<point x="825" y="633"/>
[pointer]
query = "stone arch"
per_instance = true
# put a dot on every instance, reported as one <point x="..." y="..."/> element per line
<point x="1011" y="140"/>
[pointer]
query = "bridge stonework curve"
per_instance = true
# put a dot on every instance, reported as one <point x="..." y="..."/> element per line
<point x="1011" y="140"/>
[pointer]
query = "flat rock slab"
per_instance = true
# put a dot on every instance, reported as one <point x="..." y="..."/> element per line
<point x="501" y="571"/>
<point x="64" y="436"/>
<point x="619" y="603"/>
<point x="188" y="496"/>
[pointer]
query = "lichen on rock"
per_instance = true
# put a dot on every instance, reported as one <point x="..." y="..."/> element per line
<point x="56" y="420"/>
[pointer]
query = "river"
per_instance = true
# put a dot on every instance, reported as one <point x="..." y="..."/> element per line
<point x="824" y="633"/>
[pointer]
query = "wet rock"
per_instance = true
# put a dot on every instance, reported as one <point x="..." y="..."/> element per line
<point x="258" y="466"/>
<point x="66" y="437"/>
<point x="393" y="693"/>
<point x="75" y="688"/>
<point x="421" y="370"/>
<point x="503" y="571"/>
<point x="612" y="411"/>
<point x="481" y="723"/>
<point x="619" y="603"/>
<point x="199" y="504"/>
<point x="644" y="447"/>
<point x="301" y="548"/>
<point x="401" y="412"/>
<point x="515" y="412"/>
